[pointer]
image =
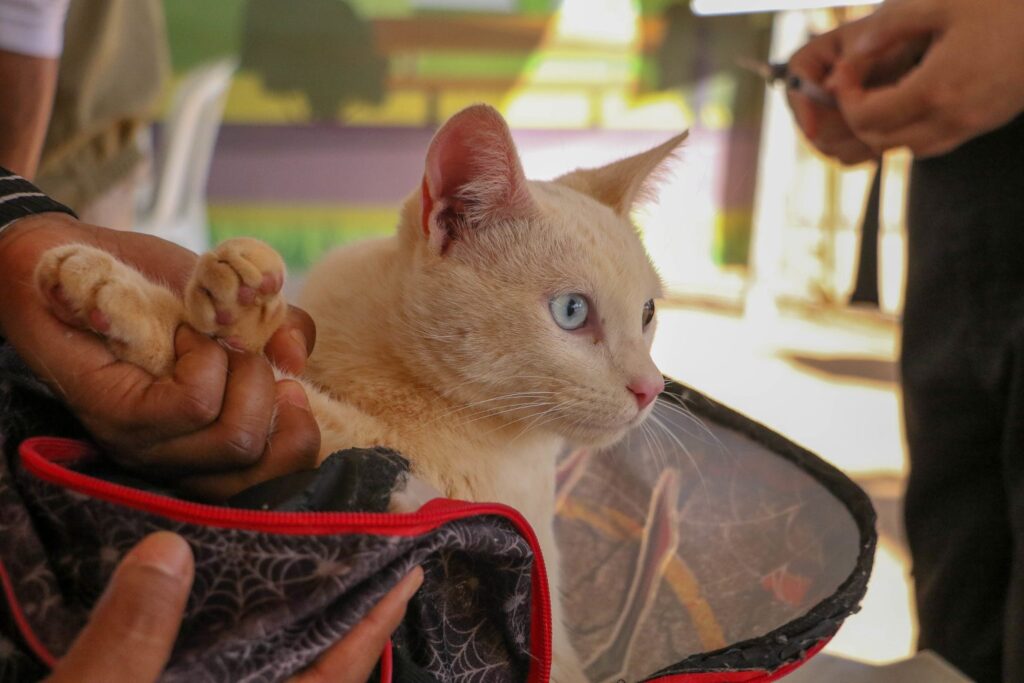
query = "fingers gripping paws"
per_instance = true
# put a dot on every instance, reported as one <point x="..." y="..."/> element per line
<point x="235" y="293"/>
<point x="90" y="289"/>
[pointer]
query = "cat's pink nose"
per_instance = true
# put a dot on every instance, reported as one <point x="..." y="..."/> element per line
<point x="646" y="390"/>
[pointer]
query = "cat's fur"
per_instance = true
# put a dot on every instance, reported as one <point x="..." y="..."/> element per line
<point x="439" y="341"/>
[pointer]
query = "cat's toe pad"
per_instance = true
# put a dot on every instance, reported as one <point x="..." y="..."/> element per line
<point x="88" y="288"/>
<point x="235" y="293"/>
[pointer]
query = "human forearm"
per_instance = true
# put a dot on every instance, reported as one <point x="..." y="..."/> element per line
<point x="968" y="79"/>
<point x="27" y="84"/>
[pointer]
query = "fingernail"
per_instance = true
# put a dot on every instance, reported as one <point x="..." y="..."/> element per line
<point x="166" y="552"/>
<point x="235" y="343"/>
<point x="293" y="393"/>
<point x="407" y="587"/>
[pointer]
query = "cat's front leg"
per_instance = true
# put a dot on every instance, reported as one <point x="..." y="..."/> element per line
<point x="234" y="293"/>
<point x="88" y="288"/>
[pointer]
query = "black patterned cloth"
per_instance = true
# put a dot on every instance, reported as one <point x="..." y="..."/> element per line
<point x="272" y="589"/>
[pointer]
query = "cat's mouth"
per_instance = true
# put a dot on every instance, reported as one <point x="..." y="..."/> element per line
<point x="600" y="433"/>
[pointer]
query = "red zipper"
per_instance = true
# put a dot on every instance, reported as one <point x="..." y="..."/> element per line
<point x="744" y="676"/>
<point x="40" y="457"/>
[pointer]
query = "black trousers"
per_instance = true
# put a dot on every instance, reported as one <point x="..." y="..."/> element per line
<point x="963" y="383"/>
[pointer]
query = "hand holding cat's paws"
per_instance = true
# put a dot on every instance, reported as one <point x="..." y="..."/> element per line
<point x="88" y="288"/>
<point x="235" y="293"/>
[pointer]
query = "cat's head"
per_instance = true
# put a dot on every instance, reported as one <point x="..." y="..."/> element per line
<point x="531" y="303"/>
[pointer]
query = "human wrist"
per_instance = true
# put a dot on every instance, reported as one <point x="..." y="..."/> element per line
<point x="19" y="199"/>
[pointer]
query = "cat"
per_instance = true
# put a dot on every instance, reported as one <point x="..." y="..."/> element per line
<point x="505" y="320"/>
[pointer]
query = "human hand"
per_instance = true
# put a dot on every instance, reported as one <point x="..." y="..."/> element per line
<point x="824" y="126"/>
<point x="134" y="625"/>
<point x="970" y="78"/>
<point x="213" y="418"/>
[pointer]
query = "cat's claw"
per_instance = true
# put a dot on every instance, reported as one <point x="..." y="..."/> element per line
<point x="88" y="288"/>
<point x="235" y="293"/>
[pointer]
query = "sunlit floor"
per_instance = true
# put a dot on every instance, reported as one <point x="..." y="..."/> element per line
<point x="826" y="380"/>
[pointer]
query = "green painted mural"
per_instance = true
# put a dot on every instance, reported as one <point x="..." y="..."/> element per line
<point x="313" y="69"/>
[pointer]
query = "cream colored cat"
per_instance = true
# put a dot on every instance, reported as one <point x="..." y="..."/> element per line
<point x="506" y="319"/>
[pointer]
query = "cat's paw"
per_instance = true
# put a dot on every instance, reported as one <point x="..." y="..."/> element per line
<point x="88" y="288"/>
<point x="235" y="293"/>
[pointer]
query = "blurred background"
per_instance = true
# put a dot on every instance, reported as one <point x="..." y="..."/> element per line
<point x="304" y="123"/>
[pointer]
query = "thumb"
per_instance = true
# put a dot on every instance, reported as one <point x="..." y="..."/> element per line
<point x="132" y="629"/>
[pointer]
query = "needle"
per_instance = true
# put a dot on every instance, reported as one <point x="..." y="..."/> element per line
<point x="779" y="73"/>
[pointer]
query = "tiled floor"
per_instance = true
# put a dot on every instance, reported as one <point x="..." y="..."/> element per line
<point x="826" y="380"/>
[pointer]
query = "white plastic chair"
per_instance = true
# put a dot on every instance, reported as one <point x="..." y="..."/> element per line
<point x="177" y="211"/>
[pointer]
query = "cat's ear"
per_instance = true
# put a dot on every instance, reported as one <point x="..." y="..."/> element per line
<point x="472" y="176"/>
<point x="622" y="183"/>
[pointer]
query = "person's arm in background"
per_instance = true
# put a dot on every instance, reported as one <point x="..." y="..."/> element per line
<point x="924" y="74"/>
<point x="31" y="38"/>
<point x="132" y="629"/>
<point x="221" y="423"/>
<point x="825" y="127"/>
<point x="970" y="79"/>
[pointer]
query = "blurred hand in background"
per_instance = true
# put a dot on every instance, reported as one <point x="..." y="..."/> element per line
<point x="924" y="74"/>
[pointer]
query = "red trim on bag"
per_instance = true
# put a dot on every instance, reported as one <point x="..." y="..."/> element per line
<point x="43" y="457"/>
<point x="749" y="676"/>
<point x="24" y="627"/>
<point x="386" y="663"/>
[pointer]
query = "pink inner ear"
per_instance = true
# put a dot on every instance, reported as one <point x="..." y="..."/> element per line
<point x="472" y="174"/>
<point x="449" y="162"/>
<point x="474" y="158"/>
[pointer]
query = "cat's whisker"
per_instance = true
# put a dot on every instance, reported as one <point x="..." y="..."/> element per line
<point x="533" y="417"/>
<point x="471" y="406"/>
<point x="474" y="406"/>
<point x="658" y="454"/>
<point x="689" y="455"/>
<point x="493" y="411"/>
<point x="541" y="416"/>
<point x="505" y="410"/>
<point x="53" y="377"/>
<point x="684" y="412"/>
<point x="645" y="433"/>
<point x="530" y="406"/>
<point x="537" y="425"/>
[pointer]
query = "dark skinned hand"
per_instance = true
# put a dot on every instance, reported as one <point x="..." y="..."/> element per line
<point x="211" y="425"/>
<point x="967" y="78"/>
<point x="134" y="625"/>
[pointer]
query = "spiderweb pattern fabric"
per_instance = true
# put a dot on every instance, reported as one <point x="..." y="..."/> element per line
<point x="264" y="605"/>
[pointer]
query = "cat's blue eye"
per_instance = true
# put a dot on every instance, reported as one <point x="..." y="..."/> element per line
<point x="569" y="311"/>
